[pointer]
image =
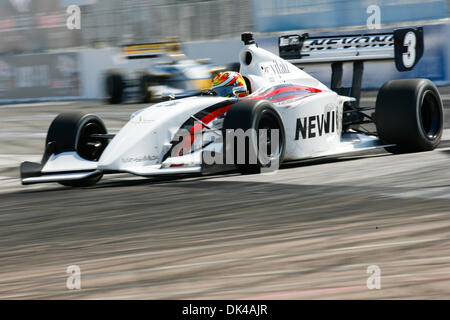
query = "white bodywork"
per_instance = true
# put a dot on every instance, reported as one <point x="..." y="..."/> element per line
<point x="139" y="147"/>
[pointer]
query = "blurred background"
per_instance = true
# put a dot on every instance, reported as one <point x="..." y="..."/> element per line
<point x="308" y="232"/>
<point x="41" y="58"/>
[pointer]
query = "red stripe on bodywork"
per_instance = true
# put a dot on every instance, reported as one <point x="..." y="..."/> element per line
<point x="206" y="119"/>
<point x="211" y="116"/>
<point x="285" y="89"/>
<point x="291" y="97"/>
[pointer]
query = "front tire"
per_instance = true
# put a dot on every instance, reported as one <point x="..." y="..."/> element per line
<point x="72" y="131"/>
<point x="409" y="113"/>
<point x="254" y="115"/>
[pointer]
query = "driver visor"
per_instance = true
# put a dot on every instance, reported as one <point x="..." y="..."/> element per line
<point x="225" y="91"/>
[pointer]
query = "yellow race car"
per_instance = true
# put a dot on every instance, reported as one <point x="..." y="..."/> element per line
<point x="170" y="73"/>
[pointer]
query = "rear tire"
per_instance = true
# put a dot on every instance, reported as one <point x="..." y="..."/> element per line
<point x="146" y="81"/>
<point x="114" y="88"/>
<point x="409" y="113"/>
<point x="254" y="115"/>
<point x="71" y="131"/>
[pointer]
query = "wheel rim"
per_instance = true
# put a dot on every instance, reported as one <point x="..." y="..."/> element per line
<point x="430" y="116"/>
<point x="88" y="147"/>
<point x="268" y="122"/>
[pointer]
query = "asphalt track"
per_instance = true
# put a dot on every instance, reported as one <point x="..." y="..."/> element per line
<point x="309" y="231"/>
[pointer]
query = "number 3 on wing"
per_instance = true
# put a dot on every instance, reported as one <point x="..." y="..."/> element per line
<point x="409" y="57"/>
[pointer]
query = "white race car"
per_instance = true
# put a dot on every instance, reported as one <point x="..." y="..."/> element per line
<point x="196" y="135"/>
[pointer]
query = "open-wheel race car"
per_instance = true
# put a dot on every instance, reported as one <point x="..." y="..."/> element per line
<point x="164" y="70"/>
<point x="181" y="136"/>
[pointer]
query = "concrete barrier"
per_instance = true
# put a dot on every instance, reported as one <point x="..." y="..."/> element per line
<point x="80" y="74"/>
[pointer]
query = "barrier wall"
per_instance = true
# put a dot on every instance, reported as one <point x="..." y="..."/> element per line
<point x="279" y="15"/>
<point x="60" y="76"/>
<point x="80" y="74"/>
<point x="40" y="76"/>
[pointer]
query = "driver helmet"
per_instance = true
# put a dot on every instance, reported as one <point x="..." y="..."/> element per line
<point x="229" y="84"/>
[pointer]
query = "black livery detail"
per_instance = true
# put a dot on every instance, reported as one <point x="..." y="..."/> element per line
<point x="408" y="48"/>
<point x="316" y="126"/>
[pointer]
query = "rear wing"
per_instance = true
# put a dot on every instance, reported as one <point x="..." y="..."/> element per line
<point x="150" y="50"/>
<point x="404" y="46"/>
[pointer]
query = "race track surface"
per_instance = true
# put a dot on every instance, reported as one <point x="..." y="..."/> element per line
<point x="309" y="231"/>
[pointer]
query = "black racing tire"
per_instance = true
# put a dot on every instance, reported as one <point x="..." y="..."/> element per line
<point x="71" y="131"/>
<point x="409" y="113"/>
<point x="146" y="81"/>
<point x="115" y="86"/>
<point x="254" y="115"/>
